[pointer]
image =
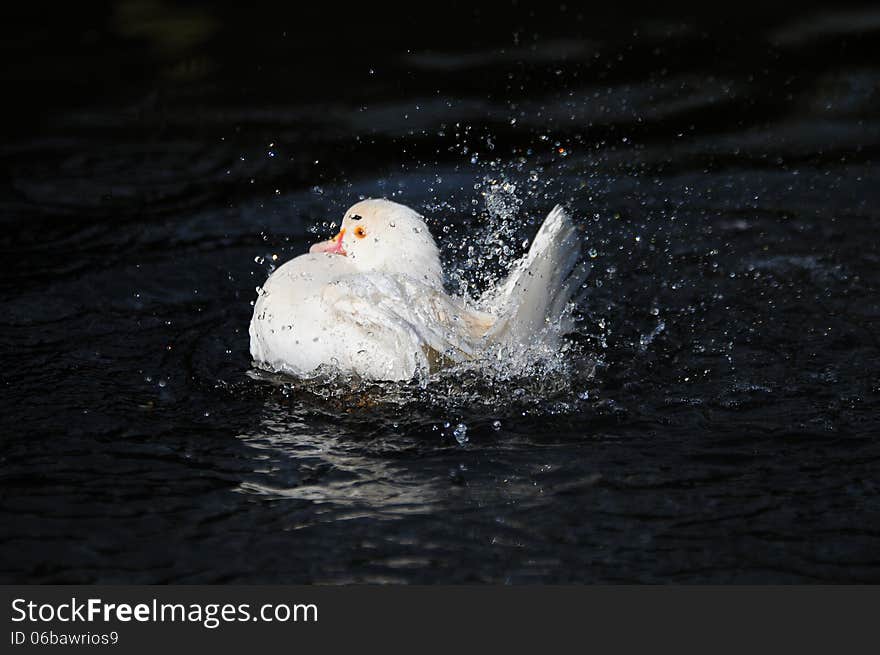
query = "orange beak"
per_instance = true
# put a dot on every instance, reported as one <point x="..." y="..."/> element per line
<point x="333" y="246"/>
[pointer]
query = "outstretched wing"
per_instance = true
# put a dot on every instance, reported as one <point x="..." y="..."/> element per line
<point x="396" y="307"/>
<point x="541" y="285"/>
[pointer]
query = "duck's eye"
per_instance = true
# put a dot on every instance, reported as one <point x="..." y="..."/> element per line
<point x="360" y="232"/>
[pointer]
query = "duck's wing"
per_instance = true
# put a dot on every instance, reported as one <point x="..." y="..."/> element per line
<point x="540" y="286"/>
<point x="430" y="318"/>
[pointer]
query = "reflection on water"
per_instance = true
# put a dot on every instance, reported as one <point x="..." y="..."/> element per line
<point x="331" y="467"/>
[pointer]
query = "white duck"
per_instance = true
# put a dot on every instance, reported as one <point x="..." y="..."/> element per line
<point x="370" y="301"/>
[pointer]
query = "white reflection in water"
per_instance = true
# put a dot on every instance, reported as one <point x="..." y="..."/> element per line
<point x="323" y="463"/>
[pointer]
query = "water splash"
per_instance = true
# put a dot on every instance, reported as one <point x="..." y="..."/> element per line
<point x="647" y="339"/>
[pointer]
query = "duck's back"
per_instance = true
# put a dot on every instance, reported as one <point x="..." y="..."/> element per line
<point x="291" y="329"/>
<point x="300" y="323"/>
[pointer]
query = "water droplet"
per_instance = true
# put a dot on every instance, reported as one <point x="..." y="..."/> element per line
<point x="460" y="434"/>
<point x="496" y="425"/>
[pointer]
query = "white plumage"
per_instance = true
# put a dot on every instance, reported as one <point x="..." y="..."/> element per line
<point x="370" y="301"/>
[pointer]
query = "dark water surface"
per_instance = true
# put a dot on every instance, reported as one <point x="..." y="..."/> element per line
<point x="725" y="174"/>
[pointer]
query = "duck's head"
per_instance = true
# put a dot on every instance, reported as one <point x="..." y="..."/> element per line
<point x="380" y="235"/>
